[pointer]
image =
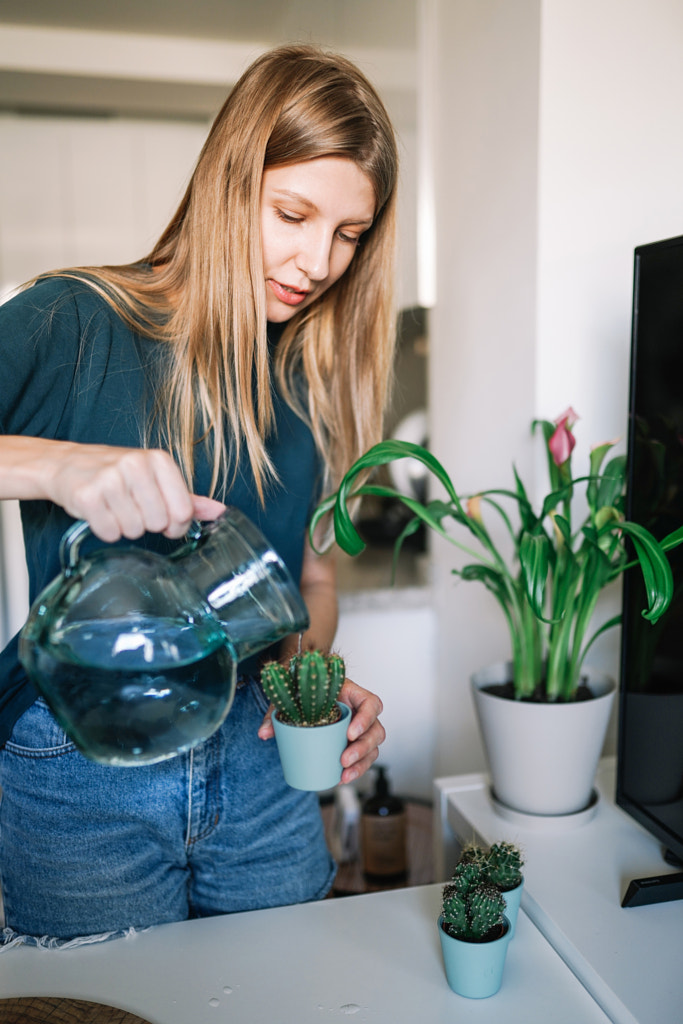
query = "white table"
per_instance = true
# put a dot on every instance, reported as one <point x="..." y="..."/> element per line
<point x="630" y="959"/>
<point x="373" y="957"/>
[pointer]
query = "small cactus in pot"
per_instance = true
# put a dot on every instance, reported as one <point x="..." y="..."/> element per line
<point x="473" y="931"/>
<point x="304" y="696"/>
<point x="306" y="692"/>
<point x="501" y="865"/>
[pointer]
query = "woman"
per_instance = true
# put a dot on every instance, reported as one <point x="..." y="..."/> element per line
<point x="246" y="360"/>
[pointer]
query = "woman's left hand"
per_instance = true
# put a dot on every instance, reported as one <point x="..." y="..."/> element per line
<point x="365" y="732"/>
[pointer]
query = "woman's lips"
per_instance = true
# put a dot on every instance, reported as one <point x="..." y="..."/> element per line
<point x="290" y="296"/>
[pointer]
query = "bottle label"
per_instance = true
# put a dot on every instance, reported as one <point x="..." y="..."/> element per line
<point x="383" y="844"/>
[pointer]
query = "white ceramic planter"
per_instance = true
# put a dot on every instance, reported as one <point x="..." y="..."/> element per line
<point x="542" y="757"/>
<point x="310" y="755"/>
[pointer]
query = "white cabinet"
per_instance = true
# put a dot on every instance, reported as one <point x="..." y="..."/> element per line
<point x="575" y="879"/>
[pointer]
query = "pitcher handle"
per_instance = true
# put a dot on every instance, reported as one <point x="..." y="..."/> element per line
<point x="70" y="545"/>
<point x="195" y="531"/>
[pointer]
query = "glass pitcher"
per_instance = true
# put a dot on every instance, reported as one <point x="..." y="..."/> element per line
<point x="136" y="653"/>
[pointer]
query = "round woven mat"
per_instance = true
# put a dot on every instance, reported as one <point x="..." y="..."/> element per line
<point x="49" y="1010"/>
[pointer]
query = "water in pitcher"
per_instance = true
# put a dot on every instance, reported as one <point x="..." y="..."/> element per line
<point x="147" y="692"/>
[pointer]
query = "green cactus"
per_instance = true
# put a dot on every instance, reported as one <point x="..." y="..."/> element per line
<point x="473" y="854"/>
<point x="467" y="874"/>
<point x="306" y="693"/>
<point x="474" y="915"/>
<point x="472" y="901"/>
<point x="505" y="866"/>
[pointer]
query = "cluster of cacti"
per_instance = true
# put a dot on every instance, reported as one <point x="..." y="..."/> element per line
<point x="306" y="692"/>
<point x="473" y="901"/>
<point x="472" y="907"/>
<point x="501" y="863"/>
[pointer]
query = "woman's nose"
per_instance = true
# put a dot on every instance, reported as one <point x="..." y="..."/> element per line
<point x="314" y="255"/>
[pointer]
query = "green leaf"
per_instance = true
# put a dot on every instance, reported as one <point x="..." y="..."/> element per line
<point x="491" y="578"/>
<point x="597" y="456"/>
<point x="612" y="481"/>
<point x="563" y="527"/>
<point x="553" y="499"/>
<point x="346" y="534"/>
<point x="672" y="540"/>
<point x="533" y="557"/>
<point x="526" y="514"/>
<point x="654" y="565"/>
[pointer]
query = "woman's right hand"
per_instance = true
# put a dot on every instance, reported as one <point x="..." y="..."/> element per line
<point x="120" y="492"/>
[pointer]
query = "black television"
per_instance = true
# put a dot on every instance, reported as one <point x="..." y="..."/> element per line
<point x="650" y="733"/>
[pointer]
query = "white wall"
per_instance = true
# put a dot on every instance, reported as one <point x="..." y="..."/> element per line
<point x="79" y="191"/>
<point x="559" y="151"/>
<point x="390" y="651"/>
<point x="87" y="190"/>
<point x="482" y="370"/>
<point x="610" y="173"/>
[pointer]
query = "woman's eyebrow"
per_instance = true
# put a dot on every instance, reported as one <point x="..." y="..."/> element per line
<point x="286" y="193"/>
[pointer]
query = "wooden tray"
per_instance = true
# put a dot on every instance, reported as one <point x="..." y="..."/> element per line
<point x="49" y="1010"/>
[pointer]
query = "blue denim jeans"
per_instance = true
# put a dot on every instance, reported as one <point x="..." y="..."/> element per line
<point x="88" y="850"/>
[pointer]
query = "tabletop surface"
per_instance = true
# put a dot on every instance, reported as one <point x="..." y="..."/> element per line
<point x="374" y="957"/>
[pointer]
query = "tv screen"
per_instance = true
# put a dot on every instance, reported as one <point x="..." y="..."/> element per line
<point x="650" y="753"/>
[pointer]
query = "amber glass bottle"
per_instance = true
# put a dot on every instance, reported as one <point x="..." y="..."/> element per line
<point x="383" y="833"/>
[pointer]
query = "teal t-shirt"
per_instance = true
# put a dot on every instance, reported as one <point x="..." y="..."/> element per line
<point x="72" y="370"/>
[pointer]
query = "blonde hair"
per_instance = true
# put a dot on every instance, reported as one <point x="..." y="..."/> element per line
<point x="206" y="295"/>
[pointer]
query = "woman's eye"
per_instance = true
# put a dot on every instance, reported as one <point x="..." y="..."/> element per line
<point x="350" y="239"/>
<point x="288" y="218"/>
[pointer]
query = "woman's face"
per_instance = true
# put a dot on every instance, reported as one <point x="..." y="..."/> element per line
<point x="312" y="216"/>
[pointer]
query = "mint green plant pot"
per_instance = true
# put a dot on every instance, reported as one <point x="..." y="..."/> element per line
<point x="513" y="898"/>
<point x="474" y="969"/>
<point x="311" y="755"/>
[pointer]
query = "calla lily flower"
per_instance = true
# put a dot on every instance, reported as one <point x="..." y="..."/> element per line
<point x="569" y="416"/>
<point x="562" y="441"/>
<point x="473" y="507"/>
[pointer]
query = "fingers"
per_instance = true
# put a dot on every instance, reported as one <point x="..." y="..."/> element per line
<point x="206" y="508"/>
<point x="125" y="492"/>
<point x="365" y="733"/>
<point x="266" y="730"/>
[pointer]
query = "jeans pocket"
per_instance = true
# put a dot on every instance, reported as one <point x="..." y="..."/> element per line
<point x="37" y="733"/>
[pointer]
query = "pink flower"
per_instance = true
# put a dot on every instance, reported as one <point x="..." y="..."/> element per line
<point x="568" y="416"/>
<point x="562" y="442"/>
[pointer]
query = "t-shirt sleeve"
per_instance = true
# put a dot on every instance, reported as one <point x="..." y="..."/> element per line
<point x="39" y="348"/>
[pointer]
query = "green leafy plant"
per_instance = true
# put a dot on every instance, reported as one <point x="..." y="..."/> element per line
<point x="306" y="692"/>
<point x="549" y="585"/>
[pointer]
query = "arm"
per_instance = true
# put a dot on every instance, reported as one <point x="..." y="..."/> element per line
<point x="366" y="732"/>
<point x="121" y="492"/>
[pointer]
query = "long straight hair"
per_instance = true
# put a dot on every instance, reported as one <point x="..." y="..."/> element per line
<point x="205" y="292"/>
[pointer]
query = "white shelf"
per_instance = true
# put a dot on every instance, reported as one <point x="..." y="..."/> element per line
<point x="374" y="957"/>
<point x="630" y="960"/>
